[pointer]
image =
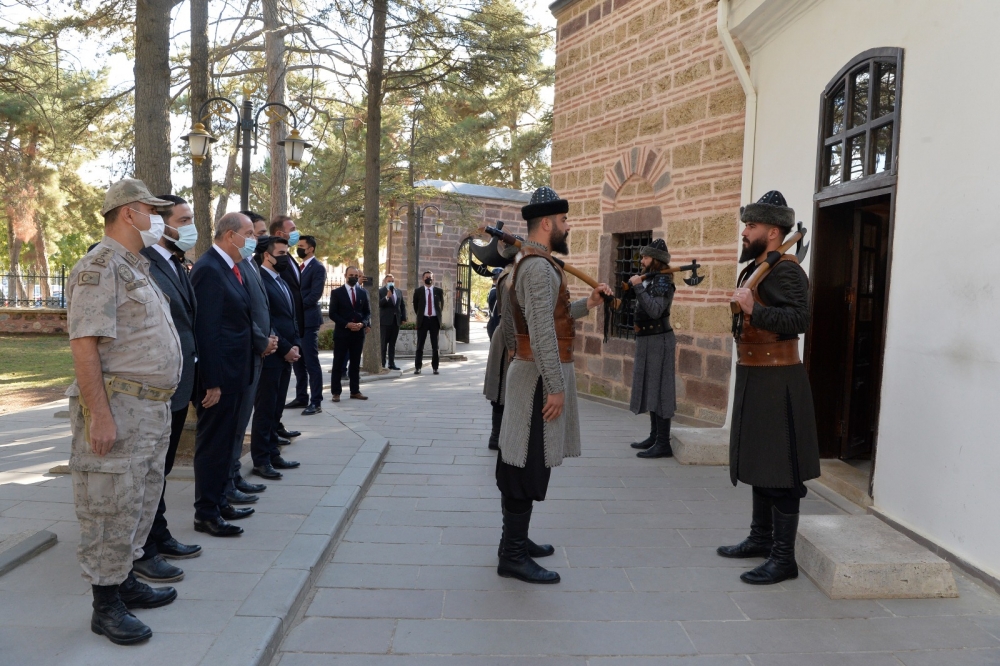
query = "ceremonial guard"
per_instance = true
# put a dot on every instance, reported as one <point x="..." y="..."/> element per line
<point x="498" y="359"/>
<point x="773" y="445"/>
<point x="653" y="387"/>
<point x="541" y="423"/>
<point x="127" y="358"/>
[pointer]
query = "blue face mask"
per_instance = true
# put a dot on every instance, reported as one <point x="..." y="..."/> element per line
<point x="249" y="245"/>
<point x="293" y="238"/>
<point x="188" y="236"/>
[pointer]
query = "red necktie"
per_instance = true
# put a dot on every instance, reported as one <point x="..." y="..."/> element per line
<point x="354" y="303"/>
<point x="428" y="301"/>
<point x="236" y="269"/>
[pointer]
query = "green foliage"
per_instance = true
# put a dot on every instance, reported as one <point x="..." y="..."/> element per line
<point x="326" y="339"/>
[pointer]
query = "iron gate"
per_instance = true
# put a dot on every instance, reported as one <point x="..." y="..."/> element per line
<point x="463" y="292"/>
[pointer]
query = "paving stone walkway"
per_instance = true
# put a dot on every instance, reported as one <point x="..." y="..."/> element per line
<point x="414" y="580"/>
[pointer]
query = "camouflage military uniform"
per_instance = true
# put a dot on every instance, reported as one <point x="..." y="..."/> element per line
<point x="111" y="296"/>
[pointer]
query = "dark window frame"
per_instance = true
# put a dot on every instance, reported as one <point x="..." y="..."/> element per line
<point x="843" y="82"/>
<point x="624" y="265"/>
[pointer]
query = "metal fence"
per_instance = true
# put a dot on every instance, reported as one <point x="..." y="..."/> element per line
<point x="31" y="290"/>
<point x="324" y="300"/>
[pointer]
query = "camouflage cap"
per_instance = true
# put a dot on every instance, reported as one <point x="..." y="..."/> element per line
<point x="128" y="190"/>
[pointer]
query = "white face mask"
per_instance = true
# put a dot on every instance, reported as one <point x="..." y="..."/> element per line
<point x="187" y="237"/>
<point x="151" y="236"/>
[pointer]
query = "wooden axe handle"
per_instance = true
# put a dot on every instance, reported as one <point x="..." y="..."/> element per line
<point x="765" y="267"/>
<point x="666" y="271"/>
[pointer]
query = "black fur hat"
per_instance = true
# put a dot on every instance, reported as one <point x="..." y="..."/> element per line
<point x="544" y="202"/>
<point x="769" y="209"/>
<point x="657" y="250"/>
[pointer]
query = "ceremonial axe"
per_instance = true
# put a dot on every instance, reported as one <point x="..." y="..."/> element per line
<point x="801" y="249"/>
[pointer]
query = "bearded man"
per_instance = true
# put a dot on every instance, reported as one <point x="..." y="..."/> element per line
<point x="541" y="423"/>
<point x="773" y="445"/>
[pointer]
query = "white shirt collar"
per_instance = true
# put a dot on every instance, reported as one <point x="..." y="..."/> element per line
<point x="306" y="263"/>
<point x="222" y="253"/>
<point x="166" y="254"/>
<point x="270" y="272"/>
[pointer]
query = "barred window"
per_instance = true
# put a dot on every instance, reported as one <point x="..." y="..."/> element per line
<point x="626" y="265"/>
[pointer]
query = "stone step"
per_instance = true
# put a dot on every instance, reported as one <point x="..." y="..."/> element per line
<point x="860" y="557"/>
<point x="846" y="480"/>
<point x="701" y="446"/>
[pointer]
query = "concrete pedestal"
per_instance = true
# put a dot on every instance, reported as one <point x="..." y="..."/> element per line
<point x="860" y="557"/>
<point x="701" y="446"/>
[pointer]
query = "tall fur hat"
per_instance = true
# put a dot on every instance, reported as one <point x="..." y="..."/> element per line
<point x="769" y="209"/>
<point x="544" y="202"/>
<point x="657" y="250"/>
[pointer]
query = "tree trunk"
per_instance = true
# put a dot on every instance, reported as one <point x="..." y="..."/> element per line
<point x="202" y="173"/>
<point x="229" y="184"/>
<point x="515" y="167"/>
<point x="152" y="94"/>
<point x="412" y="279"/>
<point x="274" y="62"/>
<point x="373" y="173"/>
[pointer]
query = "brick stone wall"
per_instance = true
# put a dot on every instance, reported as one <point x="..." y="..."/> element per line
<point x="33" y="320"/>
<point x="463" y="216"/>
<point x="648" y="136"/>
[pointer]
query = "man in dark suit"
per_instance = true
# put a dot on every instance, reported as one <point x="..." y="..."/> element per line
<point x="312" y="282"/>
<point x="428" y="301"/>
<point x="238" y="489"/>
<point x="351" y="312"/>
<point x="224" y="333"/>
<point x="392" y="313"/>
<point x="167" y="269"/>
<point x="272" y="256"/>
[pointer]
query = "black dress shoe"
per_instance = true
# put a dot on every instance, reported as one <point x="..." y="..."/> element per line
<point x="277" y="462"/>
<point x="298" y="402"/>
<point x="172" y="549"/>
<point x="287" y="434"/>
<point x="435" y="372"/>
<point x="311" y="409"/>
<point x="217" y="527"/>
<point x="136" y="594"/>
<point x="245" y="486"/>
<point x="282" y="441"/>
<point x="392" y="367"/>
<point x="267" y="471"/>
<point x="157" y="570"/>
<point x="417" y="371"/>
<point x="240" y="497"/>
<point x="230" y="512"/>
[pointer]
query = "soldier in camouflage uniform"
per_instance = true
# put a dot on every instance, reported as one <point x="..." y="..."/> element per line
<point x="127" y="357"/>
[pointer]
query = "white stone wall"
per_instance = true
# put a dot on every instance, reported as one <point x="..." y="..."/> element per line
<point x="938" y="454"/>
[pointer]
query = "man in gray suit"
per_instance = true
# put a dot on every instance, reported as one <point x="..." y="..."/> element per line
<point x="166" y="267"/>
<point x="238" y="489"/>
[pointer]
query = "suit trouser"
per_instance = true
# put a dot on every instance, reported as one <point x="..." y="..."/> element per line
<point x="243" y="420"/>
<point x="263" y="438"/>
<point x="347" y="347"/>
<point x="429" y="325"/>
<point x="307" y="368"/>
<point x="389" y="335"/>
<point x="213" y="451"/>
<point x="159" y="532"/>
<point x="282" y="396"/>
<point x="116" y="495"/>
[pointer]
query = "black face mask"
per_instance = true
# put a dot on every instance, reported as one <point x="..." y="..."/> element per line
<point x="428" y="281"/>
<point x="351" y="281"/>
<point x="280" y="263"/>
<point x="300" y="252"/>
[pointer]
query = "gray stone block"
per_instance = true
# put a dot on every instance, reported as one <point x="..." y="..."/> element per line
<point x="860" y="557"/>
<point x="701" y="446"/>
<point x="326" y="520"/>
<point x="304" y="551"/>
<point x="19" y="548"/>
<point x="245" y="640"/>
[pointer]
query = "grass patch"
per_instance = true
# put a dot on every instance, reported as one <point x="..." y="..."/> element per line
<point x="35" y="369"/>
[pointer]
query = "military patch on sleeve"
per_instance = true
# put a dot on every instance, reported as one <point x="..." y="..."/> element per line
<point x="141" y="282"/>
<point x="89" y="277"/>
<point x="125" y="273"/>
<point x="101" y="259"/>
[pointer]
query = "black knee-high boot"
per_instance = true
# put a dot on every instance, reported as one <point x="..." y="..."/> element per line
<point x="514" y="559"/>
<point x="649" y="441"/>
<point x="534" y="549"/>
<point x="661" y="449"/>
<point x="497" y="422"/>
<point x="781" y="563"/>
<point x="761" y="538"/>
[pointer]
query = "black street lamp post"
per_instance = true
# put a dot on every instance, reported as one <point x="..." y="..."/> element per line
<point x="200" y="140"/>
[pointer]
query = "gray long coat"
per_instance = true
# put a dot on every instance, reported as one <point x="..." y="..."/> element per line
<point x="653" y="383"/>
<point x="496" y="362"/>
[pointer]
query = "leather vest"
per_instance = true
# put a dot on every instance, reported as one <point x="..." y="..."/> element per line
<point x="660" y="285"/>
<point x="565" y="326"/>
<point x="756" y="347"/>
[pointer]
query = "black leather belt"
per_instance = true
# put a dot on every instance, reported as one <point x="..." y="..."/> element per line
<point x="653" y="327"/>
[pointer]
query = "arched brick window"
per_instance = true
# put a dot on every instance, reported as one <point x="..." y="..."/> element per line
<point x="859" y="121"/>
